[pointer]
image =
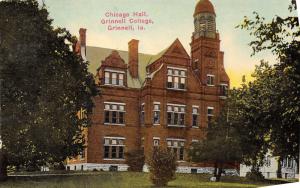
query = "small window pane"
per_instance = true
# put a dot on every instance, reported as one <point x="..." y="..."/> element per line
<point x="106" y="78"/>
<point x="114" y="152"/>
<point x="195" y="110"/>
<point x="114" y="107"/>
<point x="106" y="116"/>
<point x="182" y="73"/>
<point x="106" y="152"/>
<point x="121" y="117"/>
<point x="121" y="79"/>
<point x="170" y="71"/>
<point x="121" y="152"/>
<point x="169" y="108"/>
<point x="114" y="78"/>
<point x="156" y="117"/>
<point x="175" y="144"/>
<point x="121" y="108"/>
<point x="114" y="117"/>
<point x="176" y="72"/>
<point x="170" y="118"/>
<point x="106" y="141"/>
<point x="107" y="107"/>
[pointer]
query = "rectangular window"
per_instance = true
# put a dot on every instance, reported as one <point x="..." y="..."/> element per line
<point x="121" y="153"/>
<point x="223" y="90"/>
<point x="114" y="148"/>
<point x="114" y="117"/>
<point x="155" y="142"/>
<point x="113" y="152"/>
<point x="210" y="113"/>
<point x="107" y="78"/>
<point x="121" y="117"/>
<point x="177" y="147"/>
<point x="156" y="113"/>
<point x="106" y="116"/>
<point x="210" y="80"/>
<point x="176" y="78"/>
<point x="112" y="77"/>
<point x="143" y="114"/>
<point x="195" y="115"/>
<point x="121" y="79"/>
<point x="114" y="113"/>
<point x="176" y="115"/>
<point x="106" y="152"/>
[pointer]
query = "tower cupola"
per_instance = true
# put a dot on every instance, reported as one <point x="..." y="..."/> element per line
<point x="204" y="20"/>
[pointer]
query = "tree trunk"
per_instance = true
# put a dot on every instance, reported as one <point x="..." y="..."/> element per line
<point x="3" y="166"/>
<point x="297" y="162"/>
<point x="218" y="177"/>
<point x="279" y="174"/>
<point x="216" y="168"/>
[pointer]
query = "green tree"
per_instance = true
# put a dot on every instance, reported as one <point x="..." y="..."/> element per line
<point x="162" y="166"/>
<point x="221" y="146"/>
<point x="43" y="86"/>
<point x="279" y="85"/>
<point x="135" y="160"/>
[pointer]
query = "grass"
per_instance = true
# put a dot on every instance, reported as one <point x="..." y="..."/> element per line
<point x="126" y="180"/>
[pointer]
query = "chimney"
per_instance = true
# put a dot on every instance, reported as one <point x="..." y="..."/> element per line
<point x="82" y="37"/>
<point x="133" y="57"/>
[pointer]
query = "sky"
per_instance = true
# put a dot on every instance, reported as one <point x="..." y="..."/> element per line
<point x="172" y="19"/>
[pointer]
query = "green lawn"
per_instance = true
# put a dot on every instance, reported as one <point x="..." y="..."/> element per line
<point x="125" y="180"/>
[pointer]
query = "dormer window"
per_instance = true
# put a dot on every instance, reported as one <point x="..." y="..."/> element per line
<point x="176" y="78"/>
<point x="113" y="77"/>
<point x="210" y="80"/>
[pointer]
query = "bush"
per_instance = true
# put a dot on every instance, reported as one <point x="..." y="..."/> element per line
<point x="162" y="167"/>
<point x="255" y="176"/>
<point x="135" y="160"/>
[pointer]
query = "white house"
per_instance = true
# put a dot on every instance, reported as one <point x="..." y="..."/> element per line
<point x="289" y="168"/>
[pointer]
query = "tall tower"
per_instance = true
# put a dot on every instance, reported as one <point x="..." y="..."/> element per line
<point x="207" y="59"/>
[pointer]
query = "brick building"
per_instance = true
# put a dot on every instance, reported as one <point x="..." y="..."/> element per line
<point x="148" y="100"/>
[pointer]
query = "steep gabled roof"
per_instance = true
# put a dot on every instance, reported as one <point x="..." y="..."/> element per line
<point x="95" y="56"/>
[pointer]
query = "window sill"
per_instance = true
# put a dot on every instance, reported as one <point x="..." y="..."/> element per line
<point x="210" y="85"/>
<point x="176" y="89"/>
<point x="113" y="85"/>
<point x="105" y="159"/>
<point x="156" y="124"/>
<point x="195" y="127"/>
<point x="113" y="124"/>
<point x="181" y="126"/>
<point x="223" y="97"/>
<point x="181" y="161"/>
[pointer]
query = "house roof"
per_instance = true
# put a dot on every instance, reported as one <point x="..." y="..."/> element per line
<point x="95" y="56"/>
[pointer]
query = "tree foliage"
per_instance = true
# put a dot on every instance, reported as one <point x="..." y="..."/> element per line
<point x="43" y="86"/>
<point x="135" y="160"/>
<point x="277" y="86"/>
<point x="221" y="146"/>
<point x="162" y="166"/>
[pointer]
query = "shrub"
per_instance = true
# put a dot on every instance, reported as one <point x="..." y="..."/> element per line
<point x="135" y="160"/>
<point x="162" y="167"/>
<point x="255" y="176"/>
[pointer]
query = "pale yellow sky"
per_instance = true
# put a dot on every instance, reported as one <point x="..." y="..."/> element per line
<point x="172" y="19"/>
